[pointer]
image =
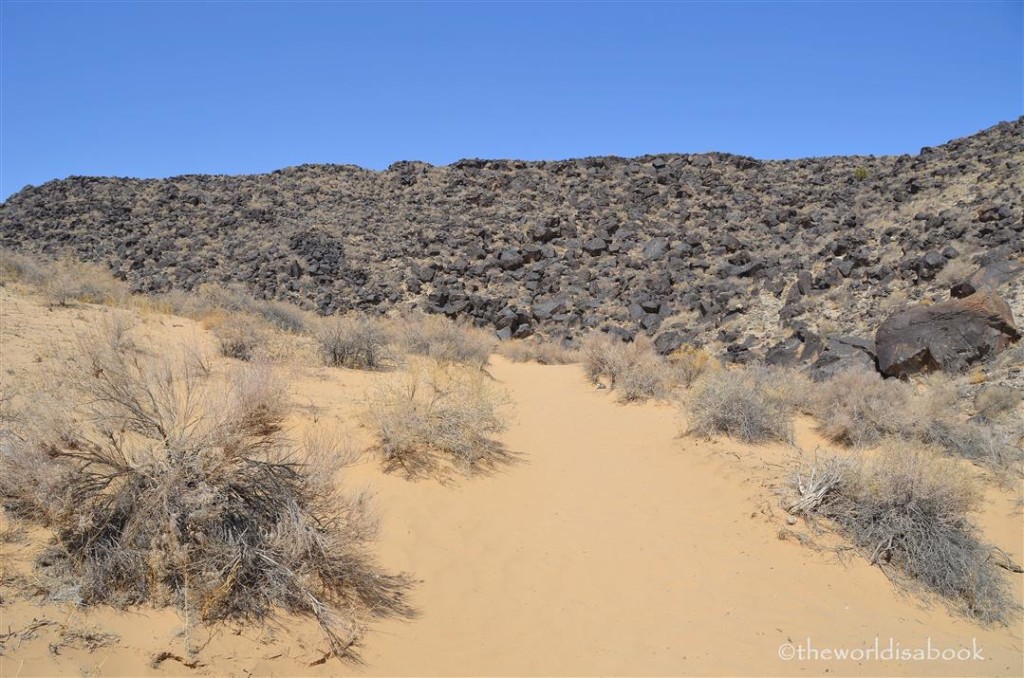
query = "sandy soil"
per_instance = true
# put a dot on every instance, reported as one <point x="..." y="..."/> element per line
<point x="614" y="546"/>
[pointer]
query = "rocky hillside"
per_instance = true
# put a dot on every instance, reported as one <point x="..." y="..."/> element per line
<point x="716" y="249"/>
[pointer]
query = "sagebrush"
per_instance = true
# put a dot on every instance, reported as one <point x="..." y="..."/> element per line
<point x="742" y="403"/>
<point x="355" y="341"/>
<point x="632" y="369"/>
<point x="908" y="511"/>
<point x="444" y="340"/>
<point x="436" y="409"/>
<point x="165" y="485"/>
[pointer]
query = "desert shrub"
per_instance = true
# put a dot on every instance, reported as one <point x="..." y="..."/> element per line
<point x="34" y="484"/>
<point x="258" y="399"/>
<point x="178" y="500"/>
<point x="738" y="403"/>
<point x="858" y="408"/>
<point x="907" y="510"/>
<point x="444" y="340"/>
<point x="114" y="329"/>
<point x="23" y="268"/>
<point x="1012" y="356"/>
<point x="285" y="316"/>
<point x="354" y="341"/>
<point x="537" y="350"/>
<point x="984" y="445"/>
<point x="239" y="335"/>
<point x="792" y="387"/>
<point x="955" y="270"/>
<point x="436" y="409"/>
<point x="632" y="369"/>
<point x="68" y="280"/>
<point x="995" y="401"/>
<point x="690" y="362"/>
<point x="210" y="297"/>
<point x="602" y="357"/>
<point x="215" y="299"/>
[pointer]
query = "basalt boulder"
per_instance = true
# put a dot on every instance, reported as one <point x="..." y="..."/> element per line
<point x="949" y="336"/>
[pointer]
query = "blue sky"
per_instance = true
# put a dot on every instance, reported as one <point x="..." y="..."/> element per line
<point x="157" y="89"/>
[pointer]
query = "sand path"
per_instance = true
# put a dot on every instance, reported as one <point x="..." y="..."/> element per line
<point x="612" y="547"/>
<point x="616" y="547"/>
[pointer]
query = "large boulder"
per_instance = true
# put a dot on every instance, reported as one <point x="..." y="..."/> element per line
<point x="949" y="336"/>
<point x="992" y="276"/>
<point x="841" y="354"/>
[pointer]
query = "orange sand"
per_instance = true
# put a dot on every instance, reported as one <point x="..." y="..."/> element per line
<point x="613" y="547"/>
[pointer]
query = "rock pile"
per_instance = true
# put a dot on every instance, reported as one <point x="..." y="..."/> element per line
<point x="738" y="254"/>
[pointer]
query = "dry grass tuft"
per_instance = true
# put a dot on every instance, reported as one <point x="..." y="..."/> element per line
<point x="857" y="408"/>
<point x="239" y="335"/>
<point x="739" y="403"/>
<point x="435" y="409"/>
<point x="908" y="511"/>
<point x="158" y="493"/>
<point x="538" y="351"/>
<point x="690" y="362"/>
<point x="632" y="369"/>
<point x="355" y="341"/>
<point x="444" y="340"/>
<point x="65" y="280"/>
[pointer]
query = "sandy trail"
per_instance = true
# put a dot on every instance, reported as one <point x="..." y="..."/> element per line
<point x="618" y="548"/>
<point x="613" y="547"/>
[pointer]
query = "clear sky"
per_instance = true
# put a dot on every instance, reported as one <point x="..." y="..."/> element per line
<point x="156" y="89"/>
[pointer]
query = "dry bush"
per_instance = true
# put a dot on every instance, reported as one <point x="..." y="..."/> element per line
<point x="908" y="511"/>
<point x="444" y="340"/>
<point x="858" y="408"/>
<point x="602" y="356"/>
<point x="792" y="387"/>
<point x="987" y="446"/>
<point x="213" y="299"/>
<point x="286" y="316"/>
<point x="690" y="362"/>
<point x="239" y="335"/>
<point x="72" y="280"/>
<point x="433" y="409"/>
<point x="1011" y="357"/>
<point x="738" y="403"/>
<point x="66" y="280"/>
<point x="632" y="369"/>
<point x="956" y="270"/>
<point x="33" y="483"/>
<point x="355" y="341"/>
<point x="995" y="401"/>
<point x="257" y="398"/>
<point x="178" y="500"/>
<point x="23" y="268"/>
<point x="538" y="350"/>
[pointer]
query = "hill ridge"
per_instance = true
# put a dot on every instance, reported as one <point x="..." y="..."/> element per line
<point x="717" y="248"/>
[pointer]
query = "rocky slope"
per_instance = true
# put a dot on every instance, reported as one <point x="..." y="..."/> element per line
<point x="714" y="249"/>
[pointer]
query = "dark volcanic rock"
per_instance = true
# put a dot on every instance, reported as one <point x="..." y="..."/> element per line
<point x="839" y="354"/>
<point x="949" y="336"/>
<point x="993" y="276"/>
<point x="624" y="243"/>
